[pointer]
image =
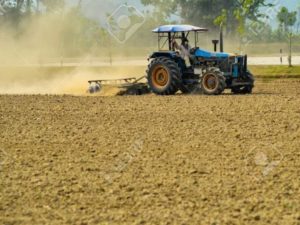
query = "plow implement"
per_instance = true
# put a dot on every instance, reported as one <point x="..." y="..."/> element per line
<point x="127" y="86"/>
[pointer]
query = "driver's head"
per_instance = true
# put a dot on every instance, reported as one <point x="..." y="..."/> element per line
<point x="185" y="42"/>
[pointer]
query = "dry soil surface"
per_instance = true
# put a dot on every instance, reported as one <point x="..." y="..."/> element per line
<point x="152" y="160"/>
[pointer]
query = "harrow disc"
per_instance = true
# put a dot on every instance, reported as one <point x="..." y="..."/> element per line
<point x="94" y="88"/>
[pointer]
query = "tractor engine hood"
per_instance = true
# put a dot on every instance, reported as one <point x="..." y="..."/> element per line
<point x="206" y="54"/>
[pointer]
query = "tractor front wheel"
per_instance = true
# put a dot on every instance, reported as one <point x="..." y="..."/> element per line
<point x="164" y="76"/>
<point x="242" y="90"/>
<point x="213" y="83"/>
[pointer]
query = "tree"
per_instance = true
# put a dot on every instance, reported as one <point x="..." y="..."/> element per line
<point x="21" y="6"/>
<point x="286" y="19"/>
<point x="248" y="10"/>
<point x="298" y="19"/>
<point x="232" y="13"/>
<point x="14" y="11"/>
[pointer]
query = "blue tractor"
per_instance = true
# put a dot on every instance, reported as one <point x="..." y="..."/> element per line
<point x="208" y="72"/>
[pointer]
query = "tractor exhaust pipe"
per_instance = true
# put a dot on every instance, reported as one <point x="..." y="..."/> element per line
<point x="221" y="38"/>
<point x="215" y="43"/>
<point x="245" y="64"/>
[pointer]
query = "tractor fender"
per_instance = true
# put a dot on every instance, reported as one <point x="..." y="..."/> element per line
<point x="168" y="54"/>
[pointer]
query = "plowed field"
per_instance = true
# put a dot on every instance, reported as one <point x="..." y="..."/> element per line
<point x="152" y="160"/>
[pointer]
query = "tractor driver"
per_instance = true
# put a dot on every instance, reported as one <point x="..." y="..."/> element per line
<point x="184" y="49"/>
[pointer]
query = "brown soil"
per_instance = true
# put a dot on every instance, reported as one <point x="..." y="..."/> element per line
<point x="152" y="160"/>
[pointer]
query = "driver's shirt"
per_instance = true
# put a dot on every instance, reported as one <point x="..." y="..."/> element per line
<point x="185" y="54"/>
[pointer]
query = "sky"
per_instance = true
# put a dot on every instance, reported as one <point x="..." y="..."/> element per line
<point x="291" y="4"/>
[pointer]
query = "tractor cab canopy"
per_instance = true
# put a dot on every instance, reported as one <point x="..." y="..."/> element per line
<point x="167" y="33"/>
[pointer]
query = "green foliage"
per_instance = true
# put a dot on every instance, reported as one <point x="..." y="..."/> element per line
<point x="208" y="13"/>
<point x="222" y="19"/>
<point x="21" y="9"/>
<point x="78" y="35"/>
<point x="275" y="71"/>
<point x="286" y="19"/>
<point x="243" y="17"/>
<point x="249" y="10"/>
<point x="232" y="13"/>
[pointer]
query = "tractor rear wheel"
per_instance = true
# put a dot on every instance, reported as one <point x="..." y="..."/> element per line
<point x="213" y="83"/>
<point x="164" y="76"/>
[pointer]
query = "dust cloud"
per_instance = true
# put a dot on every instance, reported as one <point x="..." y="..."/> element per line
<point x="31" y="53"/>
<point x="73" y="81"/>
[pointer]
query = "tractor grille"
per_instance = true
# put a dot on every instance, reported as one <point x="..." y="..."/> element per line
<point x="227" y="66"/>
